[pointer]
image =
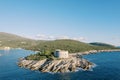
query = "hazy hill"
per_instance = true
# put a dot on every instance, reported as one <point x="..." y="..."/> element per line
<point x="70" y="45"/>
<point x="102" y="44"/>
<point x="9" y="36"/>
<point x="11" y="40"/>
<point x="14" y="41"/>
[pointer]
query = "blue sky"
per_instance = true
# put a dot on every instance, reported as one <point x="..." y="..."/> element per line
<point x="88" y="20"/>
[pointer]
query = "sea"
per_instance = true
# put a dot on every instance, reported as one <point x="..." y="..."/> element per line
<point x="107" y="67"/>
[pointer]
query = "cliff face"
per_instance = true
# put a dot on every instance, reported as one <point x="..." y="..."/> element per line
<point x="59" y="65"/>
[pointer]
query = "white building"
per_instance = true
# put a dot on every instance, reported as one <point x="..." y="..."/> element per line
<point x="6" y="48"/>
<point x="61" y="54"/>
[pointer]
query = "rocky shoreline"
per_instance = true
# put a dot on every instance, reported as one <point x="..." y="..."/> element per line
<point x="70" y="64"/>
<point x="59" y="65"/>
<point x="97" y="51"/>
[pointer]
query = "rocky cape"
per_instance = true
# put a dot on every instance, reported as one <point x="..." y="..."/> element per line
<point x="73" y="63"/>
<point x="98" y="51"/>
<point x="70" y="64"/>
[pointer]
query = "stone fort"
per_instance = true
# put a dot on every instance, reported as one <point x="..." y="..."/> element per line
<point x="61" y="53"/>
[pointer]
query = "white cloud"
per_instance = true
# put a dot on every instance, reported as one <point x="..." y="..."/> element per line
<point x="79" y="38"/>
<point x="44" y="37"/>
<point x="49" y="37"/>
<point x="62" y="37"/>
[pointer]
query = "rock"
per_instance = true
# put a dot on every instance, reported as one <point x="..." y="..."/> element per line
<point x="62" y="65"/>
<point x="38" y="64"/>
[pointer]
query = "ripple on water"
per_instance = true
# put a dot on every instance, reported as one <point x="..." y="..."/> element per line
<point x="107" y="68"/>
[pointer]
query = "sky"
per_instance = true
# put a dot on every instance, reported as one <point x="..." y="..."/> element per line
<point x="84" y="20"/>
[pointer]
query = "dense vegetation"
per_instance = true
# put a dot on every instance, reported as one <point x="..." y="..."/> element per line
<point x="14" y="41"/>
<point x="40" y="56"/>
<point x="71" y="45"/>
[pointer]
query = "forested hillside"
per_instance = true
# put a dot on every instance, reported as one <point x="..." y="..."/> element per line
<point x="70" y="45"/>
<point x="14" y="41"/>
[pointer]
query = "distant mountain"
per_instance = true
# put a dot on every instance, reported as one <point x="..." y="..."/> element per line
<point x="102" y="44"/>
<point x="118" y="46"/>
<point x="11" y="40"/>
<point x="9" y="36"/>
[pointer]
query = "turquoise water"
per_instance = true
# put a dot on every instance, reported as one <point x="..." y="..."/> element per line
<point x="107" y="68"/>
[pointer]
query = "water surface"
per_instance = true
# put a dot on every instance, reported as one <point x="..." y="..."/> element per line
<point x="108" y="68"/>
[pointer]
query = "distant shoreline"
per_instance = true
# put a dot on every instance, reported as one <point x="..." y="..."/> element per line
<point x="94" y="52"/>
<point x="5" y="48"/>
<point x="97" y="51"/>
<point x="1" y="48"/>
<point x="84" y="53"/>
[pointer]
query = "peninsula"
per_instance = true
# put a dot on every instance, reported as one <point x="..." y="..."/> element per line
<point x="62" y="62"/>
